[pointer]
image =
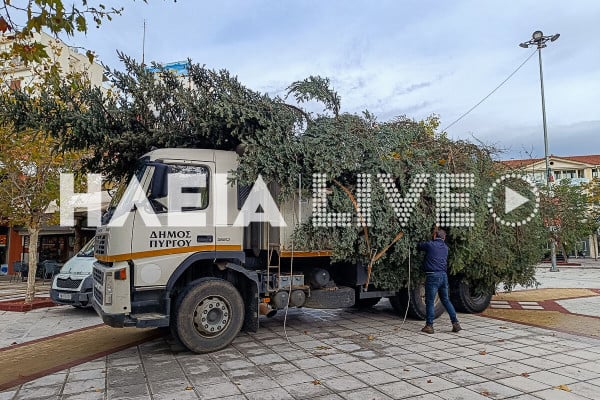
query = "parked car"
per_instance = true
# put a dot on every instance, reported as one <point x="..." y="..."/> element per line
<point x="73" y="284"/>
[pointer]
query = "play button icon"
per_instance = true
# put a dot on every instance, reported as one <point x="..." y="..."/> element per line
<point x="513" y="200"/>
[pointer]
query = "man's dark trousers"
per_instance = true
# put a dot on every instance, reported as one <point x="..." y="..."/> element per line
<point x="437" y="283"/>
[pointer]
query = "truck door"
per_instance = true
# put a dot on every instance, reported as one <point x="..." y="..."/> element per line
<point x="179" y="196"/>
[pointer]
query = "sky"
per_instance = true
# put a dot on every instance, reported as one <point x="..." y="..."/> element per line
<point x="413" y="58"/>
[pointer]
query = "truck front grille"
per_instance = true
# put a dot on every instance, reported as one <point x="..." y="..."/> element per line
<point x="100" y="244"/>
<point x="68" y="283"/>
<point x="98" y="296"/>
<point x="98" y="282"/>
<point x="98" y="276"/>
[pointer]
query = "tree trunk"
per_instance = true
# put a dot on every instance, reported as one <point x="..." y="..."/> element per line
<point x="77" y="239"/>
<point x="34" y="233"/>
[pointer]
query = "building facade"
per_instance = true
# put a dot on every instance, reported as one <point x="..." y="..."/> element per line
<point x="578" y="170"/>
<point x="15" y="73"/>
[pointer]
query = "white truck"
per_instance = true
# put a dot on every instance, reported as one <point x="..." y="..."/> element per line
<point x="209" y="280"/>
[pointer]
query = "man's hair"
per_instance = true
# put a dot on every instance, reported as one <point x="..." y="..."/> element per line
<point x="440" y="233"/>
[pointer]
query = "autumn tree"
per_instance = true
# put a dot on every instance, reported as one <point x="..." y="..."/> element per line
<point x="21" y="20"/>
<point x="29" y="183"/>
<point x="568" y="212"/>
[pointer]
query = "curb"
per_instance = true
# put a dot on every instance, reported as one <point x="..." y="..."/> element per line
<point x="21" y="306"/>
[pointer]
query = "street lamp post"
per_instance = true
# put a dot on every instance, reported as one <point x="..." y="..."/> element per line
<point x="539" y="40"/>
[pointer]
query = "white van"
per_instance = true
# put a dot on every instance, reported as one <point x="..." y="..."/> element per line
<point x="73" y="284"/>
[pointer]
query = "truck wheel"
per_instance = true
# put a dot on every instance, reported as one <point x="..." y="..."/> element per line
<point x="208" y="315"/>
<point x="466" y="300"/>
<point x="416" y="308"/>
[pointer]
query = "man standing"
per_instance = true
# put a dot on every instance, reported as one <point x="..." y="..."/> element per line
<point x="435" y="266"/>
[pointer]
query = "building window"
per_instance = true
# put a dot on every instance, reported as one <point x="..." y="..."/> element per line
<point x="596" y="173"/>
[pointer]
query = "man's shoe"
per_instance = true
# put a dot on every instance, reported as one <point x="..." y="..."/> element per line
<point x="427" y="329"/>
<point x="456" y="327"/>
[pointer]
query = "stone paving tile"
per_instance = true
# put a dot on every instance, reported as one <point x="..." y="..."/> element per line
<point x="307" y="390"/>
<point x="178" y="395"/>
<point x="407" y="372"/>
<point x="343" y="383"/>
<point x="540" y="363"/>
<point x="400" y="390"/>
<point x="463" y="378"/>
<point x="328" y="371"/>
<point x="38" y="392"/>
<point x="290" y="379"/>
<point x="590" y="366"/>
<point x="270" y="394"/>
<point x="375" y="378"/>
<point x="516" y="367"/>
<point x="460" y="393"/>
<point x="554" y="394"/>
<point x="170" y="386"/>
<point x="129" y="392"/>
<point x="586" y="389"/>
<point x="575" y="372"/>
<point x="551" y="378"/>
<point x="54" y="379"/>
<point x="216" y="391"/>
<point x="432" y="383"/>
<point x="7" y="395"/>
<point x="493" y="390"/>
<point x="330" y="356"/>
<point x="89" y="385"/>
<point x="525" y="397"/>
<point x="85" y="396"/>
<point x="524" y="384"/>
<point x="362" y="394"/>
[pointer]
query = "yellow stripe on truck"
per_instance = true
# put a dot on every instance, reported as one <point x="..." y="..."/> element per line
<point x="166" y="252"/>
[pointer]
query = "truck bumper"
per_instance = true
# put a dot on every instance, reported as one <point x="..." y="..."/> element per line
<point x="114" y="320"/>
<point x="71" y="298"/>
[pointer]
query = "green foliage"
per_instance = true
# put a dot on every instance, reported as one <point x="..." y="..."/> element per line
<point x="212" y="109"/>
<point x="569" y="211"/>
<point x="316" y="88"/>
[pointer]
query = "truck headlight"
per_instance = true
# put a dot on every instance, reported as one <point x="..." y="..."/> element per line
<point x="108" y="288"/>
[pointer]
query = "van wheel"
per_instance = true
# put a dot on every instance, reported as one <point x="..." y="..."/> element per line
<point x="465" y="299"/>
<point x="416" y="308"/>
<point x="208" y="315"/>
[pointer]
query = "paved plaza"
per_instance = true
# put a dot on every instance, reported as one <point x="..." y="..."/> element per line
<point x="334" y="354"/>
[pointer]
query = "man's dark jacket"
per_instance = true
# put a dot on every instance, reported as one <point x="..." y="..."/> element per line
<point x="436" y="256"/>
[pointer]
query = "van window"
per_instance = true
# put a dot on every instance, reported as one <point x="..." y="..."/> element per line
<point x="87" y="250"/>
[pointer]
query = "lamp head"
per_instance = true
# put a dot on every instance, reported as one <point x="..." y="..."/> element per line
<point x="554" y="37"/>
<point x="523" y="45"/>
<point x="537" y="35"/>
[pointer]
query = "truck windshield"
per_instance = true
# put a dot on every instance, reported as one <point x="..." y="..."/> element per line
<point x="122" y="189"/>
<point x="87" y="250"/>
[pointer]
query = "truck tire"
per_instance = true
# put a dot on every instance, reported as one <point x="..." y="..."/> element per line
<point x="465" y="300"/>
<point x="208" y="315"/>
<point x="416" y="308"/>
